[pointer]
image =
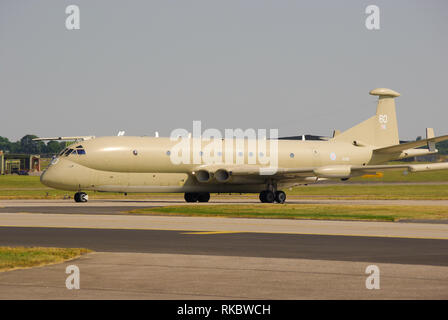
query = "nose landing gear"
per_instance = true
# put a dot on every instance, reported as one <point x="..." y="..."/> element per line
<point x="81" y="197"/>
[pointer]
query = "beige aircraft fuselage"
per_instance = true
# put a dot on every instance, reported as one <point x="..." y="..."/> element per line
<point x="110" y="165"/>
<point x="144" y="164"/>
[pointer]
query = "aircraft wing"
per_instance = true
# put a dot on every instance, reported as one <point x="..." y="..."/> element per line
<point x="337" y="171"/>
<point x="330" y="172"/>
<point x="409" y="167"/>
<point x="410" y="145"/>
<point x="76" y="138"/>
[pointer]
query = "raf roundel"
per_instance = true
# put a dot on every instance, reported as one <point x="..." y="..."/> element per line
<point x="333" y="156"/>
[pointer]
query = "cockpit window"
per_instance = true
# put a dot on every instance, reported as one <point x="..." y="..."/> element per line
<point x="66" y="152"/>
<point x="80" y="150"/>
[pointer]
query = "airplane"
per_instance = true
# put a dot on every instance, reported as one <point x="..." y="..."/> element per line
<point x="126" y="164"/>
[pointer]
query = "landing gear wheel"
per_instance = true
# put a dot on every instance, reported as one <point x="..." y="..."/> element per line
<point x="204" y="197"/>
<point x="269" y="196"/>
<point x="280" y="197"/>
<point x="191" y="196"/>
<point x="263" y="196"/>
<point x="81" y="197"/>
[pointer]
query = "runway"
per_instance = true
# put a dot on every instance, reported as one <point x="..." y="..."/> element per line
<point x="114" y="275"/>
<point x="266" y="245"/>
<point x="187" y="257"/>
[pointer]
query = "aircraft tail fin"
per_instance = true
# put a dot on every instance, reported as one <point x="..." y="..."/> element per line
<point x="381" y="130"/>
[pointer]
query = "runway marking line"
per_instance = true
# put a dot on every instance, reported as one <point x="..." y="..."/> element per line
<point x="229" y="232"/>
<point x="210" y="232"/>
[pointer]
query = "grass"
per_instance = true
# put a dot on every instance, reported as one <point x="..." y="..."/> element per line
<point x="21" y="257"/>
<point x="398" y="176"/>
<point x="14" y="181"/>
<point x="384" y="192"/>
<point x="304" y="211"/>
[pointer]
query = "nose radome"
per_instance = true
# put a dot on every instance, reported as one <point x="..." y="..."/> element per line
<point x="61" y="175"/>
<point x="48" y="178"/>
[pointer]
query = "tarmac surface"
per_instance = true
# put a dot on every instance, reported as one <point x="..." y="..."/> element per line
<point x="267" y="245"/>
<point x="161" y="257"/>
<point x="110" y="275"/>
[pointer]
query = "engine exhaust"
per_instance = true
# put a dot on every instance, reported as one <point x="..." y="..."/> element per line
<point x="203" y="176"/>
<point x="222" y="175"/>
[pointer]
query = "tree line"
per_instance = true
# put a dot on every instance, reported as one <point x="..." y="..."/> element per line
<point x="442" y="147"/>
<point x="28" y="146"/>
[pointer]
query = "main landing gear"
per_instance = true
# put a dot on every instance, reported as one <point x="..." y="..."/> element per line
<point x="268" y="196"/>
<point x="197" y="196"/>
<point x="81" y="197"/>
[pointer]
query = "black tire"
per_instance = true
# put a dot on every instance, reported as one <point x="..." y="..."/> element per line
<point x="204" y="197"/>
<point x="263" y="196"/>
<point x="280" y="197"/>
<point x="191" y="197"/>
<point x="83" y="197"/>
<point x="269" y="196"/>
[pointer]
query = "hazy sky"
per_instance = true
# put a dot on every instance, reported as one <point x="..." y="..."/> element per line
<point x="145" y="66"/>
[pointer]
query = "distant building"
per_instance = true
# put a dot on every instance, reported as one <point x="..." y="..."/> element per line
<point x="19" y="163"/>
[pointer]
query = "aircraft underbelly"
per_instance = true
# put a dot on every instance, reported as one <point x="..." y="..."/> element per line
<point x="215" y="188"/>
<point x="165" y="182"/>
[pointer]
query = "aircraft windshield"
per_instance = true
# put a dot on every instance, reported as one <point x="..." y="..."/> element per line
<point x="66" y="152"/>
<point x="80" y="150"/>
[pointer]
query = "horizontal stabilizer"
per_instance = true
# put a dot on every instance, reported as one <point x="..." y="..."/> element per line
<point x="410" y="145"/>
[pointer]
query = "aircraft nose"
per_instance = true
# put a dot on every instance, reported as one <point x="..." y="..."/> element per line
<point x="60" y="175"/>
<point x="49" y="178"/>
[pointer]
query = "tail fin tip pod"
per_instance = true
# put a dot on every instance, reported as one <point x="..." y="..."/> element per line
<point x="381" y="130"/>
<point x="384" y="92"/>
